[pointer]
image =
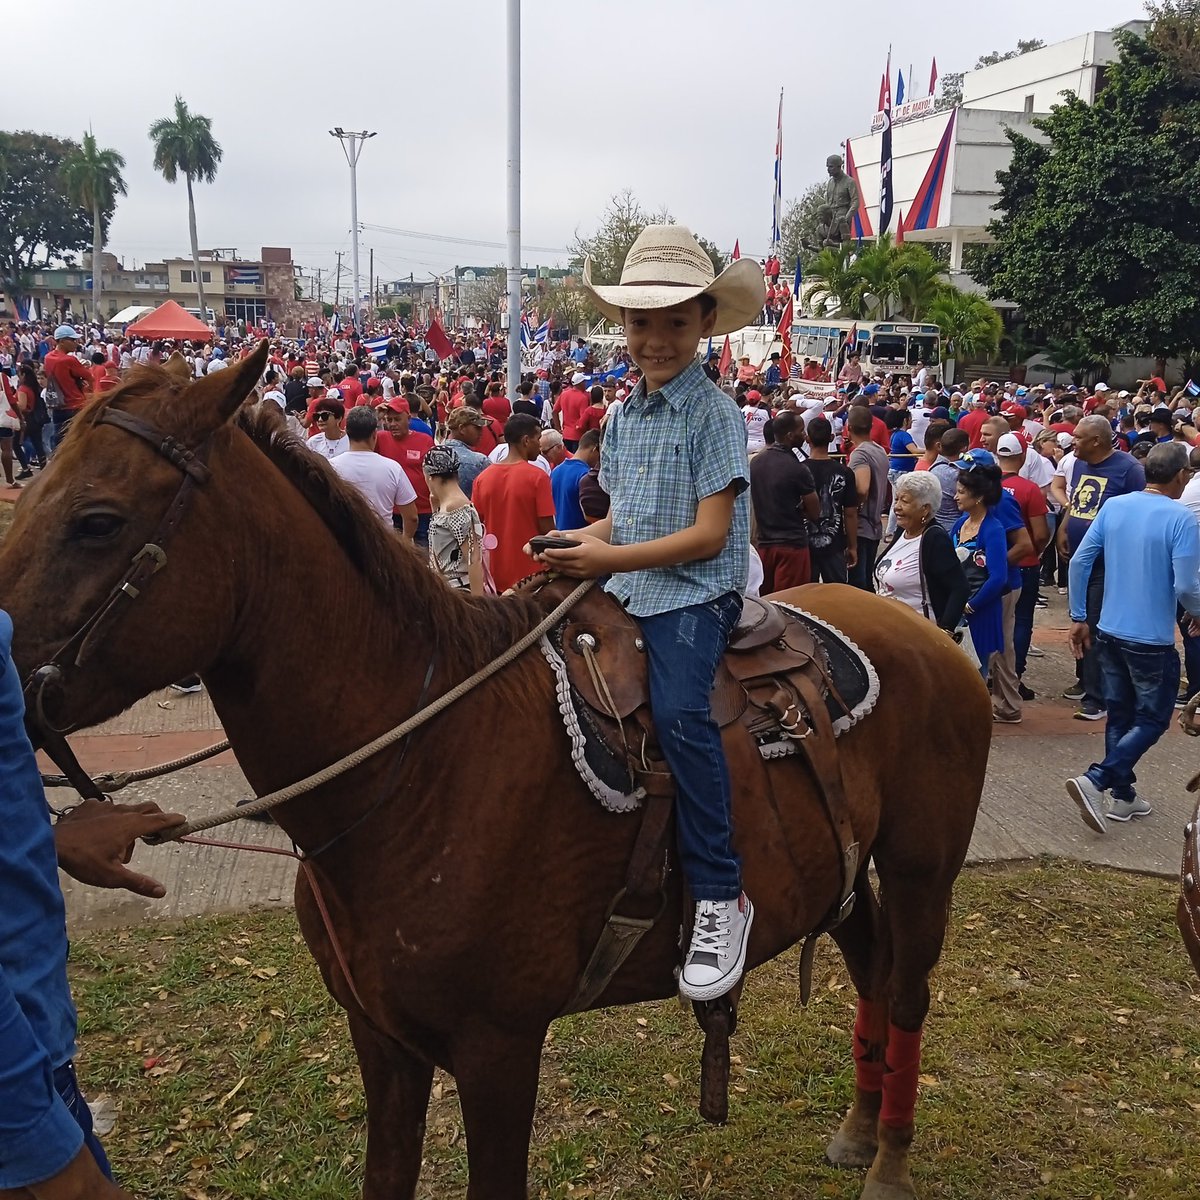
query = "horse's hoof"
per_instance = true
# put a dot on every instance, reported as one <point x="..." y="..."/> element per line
<point x="848" y="1151"/>
<point x="876" y="1189"/>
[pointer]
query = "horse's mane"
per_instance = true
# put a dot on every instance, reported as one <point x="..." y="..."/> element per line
<point x="467" y="629"/>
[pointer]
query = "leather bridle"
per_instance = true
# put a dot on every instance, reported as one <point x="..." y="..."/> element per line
<point x="146" y="563"/>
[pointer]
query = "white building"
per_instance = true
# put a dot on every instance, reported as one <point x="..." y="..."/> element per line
<point x="944" y="164"/>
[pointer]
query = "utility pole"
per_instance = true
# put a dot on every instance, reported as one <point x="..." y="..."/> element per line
<point x="337" y="282"/>
<point x="371" y="279"/>
<point x="514" y="196"/>
<point x="352" y="144"/>
<point x="318" y="285"/>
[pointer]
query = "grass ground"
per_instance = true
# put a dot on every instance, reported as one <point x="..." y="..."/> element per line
<point x="1062" y="1061"/>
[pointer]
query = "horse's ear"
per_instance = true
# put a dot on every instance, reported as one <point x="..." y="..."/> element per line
<point x="226" y="390"/>
<point x="176" y="366"/>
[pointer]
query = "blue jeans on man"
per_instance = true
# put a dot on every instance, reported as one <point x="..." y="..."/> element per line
<point x="67" y="1086"/>
<point x="684" y="648"/>
<point x="1139" y="685"/>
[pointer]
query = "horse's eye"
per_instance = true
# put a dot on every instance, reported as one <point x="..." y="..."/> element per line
<point x="98" y="526"/>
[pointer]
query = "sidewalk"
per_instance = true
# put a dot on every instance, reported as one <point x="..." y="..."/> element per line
<point x="1025" y="811"/>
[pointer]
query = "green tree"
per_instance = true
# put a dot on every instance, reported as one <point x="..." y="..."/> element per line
<point x="184" y="145"/>
<point x="93" y="180"/>
<point x="798" y="229"/>
<point x="971" y="327"/>
<point x="1099" y="232"/>
<point x="568" y="305"/>
<point x="920" y="279"/>
<point x="623" y="220"/>
<point x="481" y="298"/>
<point x="39" y="223"/>
<point x="833" y="284"/>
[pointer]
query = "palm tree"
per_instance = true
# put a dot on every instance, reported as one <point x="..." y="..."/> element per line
<point x="834" y="292"/>
<point x="184" y="144"/>
<point x="921" y="280"/>
<point x="971" y="327"/>
<point x="877" y="285"/>
<point x="92" y="178"/>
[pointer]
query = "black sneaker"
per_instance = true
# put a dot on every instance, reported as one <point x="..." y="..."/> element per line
<point x="1090" y="712"/>
<point x="1025" y="693"/>
<point x="25" y="473"/>
<point x="1074" y="692"/>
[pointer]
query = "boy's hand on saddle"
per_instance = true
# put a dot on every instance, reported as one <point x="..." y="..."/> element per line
<point x="589" y="558"/>
<point x="96" y="840"/>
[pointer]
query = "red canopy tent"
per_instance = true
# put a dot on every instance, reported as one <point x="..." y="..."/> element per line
<point x="170" y="321"/>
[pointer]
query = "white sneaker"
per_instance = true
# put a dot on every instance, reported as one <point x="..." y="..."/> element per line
<point x="717" y="955"/>
<point x="1126" y="810"/>
<point x="1091" y="802"/>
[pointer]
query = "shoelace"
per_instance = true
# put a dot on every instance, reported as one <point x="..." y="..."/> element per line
<point x="711" y="934"/>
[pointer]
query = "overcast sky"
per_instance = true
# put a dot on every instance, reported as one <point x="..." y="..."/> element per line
<point x="674" y="99"/>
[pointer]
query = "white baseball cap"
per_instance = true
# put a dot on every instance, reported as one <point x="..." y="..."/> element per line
<point x="1010" y="446"/>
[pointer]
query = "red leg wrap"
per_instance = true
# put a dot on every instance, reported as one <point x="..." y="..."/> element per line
<point x="900" y="1078"/>
<point x="868" y="1051"/>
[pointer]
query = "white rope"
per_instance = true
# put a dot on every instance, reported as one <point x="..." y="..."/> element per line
<point x="264" y="803"/>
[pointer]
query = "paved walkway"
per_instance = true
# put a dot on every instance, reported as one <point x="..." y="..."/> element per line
<point x="1025" y="811"/>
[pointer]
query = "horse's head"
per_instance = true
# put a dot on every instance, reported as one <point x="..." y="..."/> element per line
<point x="92" y="569"/>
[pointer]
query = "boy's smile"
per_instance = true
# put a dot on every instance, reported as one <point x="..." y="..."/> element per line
<point x="663" y="341"/>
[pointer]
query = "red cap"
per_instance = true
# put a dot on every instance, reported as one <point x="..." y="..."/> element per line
<point x="1014" y="410"/>
<point x="398" y="404"/>
<point x="374" y="385"/>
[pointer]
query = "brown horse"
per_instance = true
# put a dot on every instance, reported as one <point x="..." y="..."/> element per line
<point x="469" y="898"/>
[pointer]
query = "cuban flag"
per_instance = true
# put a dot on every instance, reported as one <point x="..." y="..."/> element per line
<point x="377" y="346"/>
<point x="542" y="336"/>
<point x="335" y="322"/>
<point x="777" y="198"/>
<point x="244" y="275"/>
<point x="524" y="333"/>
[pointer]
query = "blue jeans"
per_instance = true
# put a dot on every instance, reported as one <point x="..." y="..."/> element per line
<point x="1031" y="578"/>
<point x="683" y="650"/>
<point x="1191" y="656"/>
<point x="60" y="418"/>
<point x="67" y="1087"/>
<point x="1139" y="685"/>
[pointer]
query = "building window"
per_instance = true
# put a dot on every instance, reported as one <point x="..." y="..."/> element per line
<point x="190" y="276"/>
<point x="1029" y="104"/>
<point x="245" y="308"/>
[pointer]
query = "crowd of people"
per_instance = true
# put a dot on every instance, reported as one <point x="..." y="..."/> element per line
<point x="685" y="486"/>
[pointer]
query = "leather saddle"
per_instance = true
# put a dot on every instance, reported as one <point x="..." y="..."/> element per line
<point x="773" y="672"/>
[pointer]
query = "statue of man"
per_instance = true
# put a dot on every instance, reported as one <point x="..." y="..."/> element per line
<point x="841" y="194"/>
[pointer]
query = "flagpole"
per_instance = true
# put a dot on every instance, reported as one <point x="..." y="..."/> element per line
<point x="514" y="197"/>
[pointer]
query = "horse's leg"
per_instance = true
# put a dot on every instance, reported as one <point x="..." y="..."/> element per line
<point x="497" y="1076"/>
<point x="397" y="1086"/>
<point x="863" y="941"/>
<point x="916" y="907"/>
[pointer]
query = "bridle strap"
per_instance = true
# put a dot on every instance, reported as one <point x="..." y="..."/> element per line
<point x="147" y="562"/>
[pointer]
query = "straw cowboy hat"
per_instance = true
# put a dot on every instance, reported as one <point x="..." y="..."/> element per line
<point x="666" y="266"/>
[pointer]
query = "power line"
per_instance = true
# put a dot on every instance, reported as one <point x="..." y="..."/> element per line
<point x="458" y="241"/>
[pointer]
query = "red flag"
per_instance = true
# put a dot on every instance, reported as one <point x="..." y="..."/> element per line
<point x="933" y="77"/>
<point x="725" y="359"/>
<point x="900" y="228"/>
<point x="883" y="85"/>
<point x="785" y="332"/>
<point x="436" y="337"/>
<point x="737" y="250"/>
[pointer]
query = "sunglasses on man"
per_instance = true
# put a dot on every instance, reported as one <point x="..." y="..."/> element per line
<point x="324" y="416"/>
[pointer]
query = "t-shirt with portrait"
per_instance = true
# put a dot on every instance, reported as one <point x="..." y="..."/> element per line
<point x="1092" y="484"/>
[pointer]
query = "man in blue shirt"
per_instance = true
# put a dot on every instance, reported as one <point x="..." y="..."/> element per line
<point x="1151" y="548"/>
<point x="1100" y="474"/>
<point x="47" y="1148"/>
<point x="676" y="546"/>
<point x="565" y="477"/>
<point x="774" y="375"/>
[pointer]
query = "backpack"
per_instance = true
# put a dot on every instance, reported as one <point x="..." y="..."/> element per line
<point x="54" y="393"/>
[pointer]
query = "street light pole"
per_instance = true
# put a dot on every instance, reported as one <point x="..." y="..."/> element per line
<point x="514" y="197"/>
<point x="352" y="144"/>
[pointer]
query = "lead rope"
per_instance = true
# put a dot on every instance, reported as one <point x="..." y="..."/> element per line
<point x="312" y="782"/>
<point x="114" y="781"/>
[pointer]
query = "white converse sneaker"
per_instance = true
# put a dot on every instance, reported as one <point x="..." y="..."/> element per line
<point x="717" y="954"/>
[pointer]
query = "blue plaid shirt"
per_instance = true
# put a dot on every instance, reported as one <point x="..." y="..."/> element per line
<point x="662" y="454"/>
